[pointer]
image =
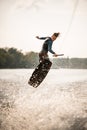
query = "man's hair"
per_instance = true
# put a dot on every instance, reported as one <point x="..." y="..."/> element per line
<point x="56" y="34"/>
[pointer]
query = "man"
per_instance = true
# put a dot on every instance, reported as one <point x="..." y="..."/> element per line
<point x="47" y="46"/>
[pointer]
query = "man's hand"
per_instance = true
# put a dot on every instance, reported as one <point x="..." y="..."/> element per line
<point x="55" y="55"/>
<point x="37" y="37"/>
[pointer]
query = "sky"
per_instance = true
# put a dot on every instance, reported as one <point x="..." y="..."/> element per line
<point x="22" y="20"/>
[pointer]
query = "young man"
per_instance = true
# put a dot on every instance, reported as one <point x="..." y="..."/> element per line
<point x="47" y="46"/>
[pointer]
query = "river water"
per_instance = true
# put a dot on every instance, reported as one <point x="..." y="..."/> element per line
<point x="59" y="103"/>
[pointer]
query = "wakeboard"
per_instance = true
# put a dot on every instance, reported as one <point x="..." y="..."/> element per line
<point x="40" y="73"/>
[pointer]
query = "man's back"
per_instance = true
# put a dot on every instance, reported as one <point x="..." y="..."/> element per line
<point x="46" y="44"/>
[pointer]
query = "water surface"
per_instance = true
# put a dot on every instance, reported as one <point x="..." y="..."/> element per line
<point x="59" y="103"/>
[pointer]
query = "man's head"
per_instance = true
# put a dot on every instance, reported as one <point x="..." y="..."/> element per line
<point x="54" y="36"/>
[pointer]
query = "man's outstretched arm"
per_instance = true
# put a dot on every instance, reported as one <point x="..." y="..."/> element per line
<point x="41" y="38"/>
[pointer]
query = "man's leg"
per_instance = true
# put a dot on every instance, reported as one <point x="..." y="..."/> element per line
<point x="43" y="56"/>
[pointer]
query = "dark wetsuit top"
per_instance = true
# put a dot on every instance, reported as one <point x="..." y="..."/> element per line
<point x="47" y="45"/>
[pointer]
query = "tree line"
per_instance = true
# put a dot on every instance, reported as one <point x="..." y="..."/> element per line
<point x="13" y="58"/>
<point x="72" y="63"/>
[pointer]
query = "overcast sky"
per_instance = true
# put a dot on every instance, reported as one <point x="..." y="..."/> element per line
<point x="22" y="20"/>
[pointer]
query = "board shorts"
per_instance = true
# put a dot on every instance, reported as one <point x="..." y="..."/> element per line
<point x="43" y="56"/>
